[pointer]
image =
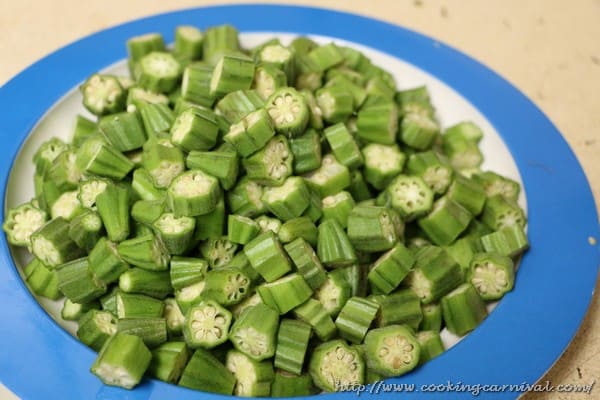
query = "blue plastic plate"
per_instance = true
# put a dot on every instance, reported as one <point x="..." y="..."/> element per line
<point x="519" y="341"/>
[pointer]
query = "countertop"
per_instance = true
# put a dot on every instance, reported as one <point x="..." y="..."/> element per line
<point x="546" y="48"/>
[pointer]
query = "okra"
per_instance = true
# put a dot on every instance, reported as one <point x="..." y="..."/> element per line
<point x="330" y="178"/>
<point x="77" y="283"/>
<point x="495" y="184"/>
<point x="391" y="351"/>
<point x="238" y="104"/>
<point x="359" y="94"/>
<point x="333" y="245"/>
<point x="418" y="131"/>
<point x="64" y="172"/>
<point x="306" y="150"/>
<point x="314" y="211"/>
<point x="218" y="251"/>
<point x="113" y="207"/>
<point x="231" y="73"/>
<point x="462" y="153"/>
<point x="220" y="164"/>
<point x="373" y="229"/>
<point x="193" y="193"/>
<point x="147" y="252"/>
<point x="410" y="196"/>
<point x="399" y="308"/>
<point x="463" y="309"/>
<point x="325" y="56"/>
<point x="288" y="200"/>
<point x="430" y="166"/>
<point x="292" y="345"/>
<point x="176" y="232"/>
<point x="52" y="245"/>
<point x="241" y="229"/>
<point x="301" y="227"/>
<point x="267" y="257"/>
<point x="105" y="262"/>
<point x="268" y="224"/>
<point x="67" y="206"/>
<point x="434" y="275"/>
<point x="378" y="122"/>
<point x="334" y="293"/>
<point x="254" y="332"/>
<point x="338" y="207"/>
<point x="492" y="275"/>
<point x="291" y="385"/>
<point x="86" y="229"/>
<point x="335" y="102"/>
<point x="206" y="325"/>
<point x="138" y="306"/>
<point x="41" y="280"/>
<point x="382" y="164"/>
<point x="253" y="378"/>
<point x="445" y="222"/>
<point x="272" y="164"/>
<point x="432" y="318"/>
<point x="74" y="311"/>
<point x="194" y="376"/>
<point x="158" y="71"/>
<point x="188" y="43"/>
<point x="335" y="365"/>
<point x="227" y="286"/>
<point x="252" y="133"/>
<point x="211" y="225"/>
<point x="195" y="84"/>
<point x="95" y="328"/>
<point x="219" y="40"/>
<point x="289" y="111"/>
<point x="343" y="146"/>
<point x="124" y="131"/>
<point x="103" y="94"/>
<point x="499" y="213"/>
<point x="285" y="294"/>
<point x="95" y="156"/>
<point x="168" y="361"/>
<point x="468" y="193"/>
<point x="152" y="331"/>
<point x="195" y="129"/>
<point x="151" y="283"/>
<point x="174" y="317"/>
<point x="267" y="79"/>
<point x="185" y="271"/>
<point x="355" y="318"/>
<point x="390" y="269"/>
<point x="137" y="97"/>
<point x="22" y="222"/>
<point x="510" y="241"/>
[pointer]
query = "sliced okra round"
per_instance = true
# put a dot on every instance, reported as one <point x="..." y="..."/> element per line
<point x="410" y="196"/>
<point x="21" y="222"/>
<point x="206" y="325"/>
<point x="335" y="365"/>
<point x="218" y="251"/>
<point x="103" y="94"/>
<point x="271" y="165"/>
<point x="226" y="286"/>
<point x="159" y="71"/>
<point x="193" y="193"/>
<point x="254" y="332"/>
<point x="391" y="351"/>
<point x="492" y="275"/>
<point x="289" y="111"/>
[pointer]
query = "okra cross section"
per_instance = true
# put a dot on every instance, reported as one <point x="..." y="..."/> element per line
<point x="21" y="222"/>
<point x="289" y="111"/>
<point x="355" y="318"/>
<point x="285" y="293"/>
<point x="391" y="351"/>
<point x="253" y="378"/>
<point x="335" y="365"/>
<point x="463" y="309"/>
<point x="272" y="164"/>
<point x="227" y="286"/>
<point x="193" y="193"/>
<point x="206" y="325"/>
<point x="288" y="200"/>
<point x="333" y="246"/>
<point x="491" y="274"/>
<point x="254" y="332"/>
<point x="373" y="229"/>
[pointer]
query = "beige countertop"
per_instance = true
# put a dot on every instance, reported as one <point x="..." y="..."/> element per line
<point x="549" y="49"/>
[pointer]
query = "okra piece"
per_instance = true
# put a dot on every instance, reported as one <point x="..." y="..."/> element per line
<point x="301" y="227"/>
<point x="48" y="152"/>
<point x="103" y="94"/>
<point x="152" y="331"/>
<point x="292" y="345"/>
<point x="306" y="150"/>
<point x="500" y="213"/>
<point x="185" y="271"/>
<point x="288" y="111"/>
<point x="195" y="129"/>
<point x="188" y="43"/>
<point x="291" y="385"/>
<point x="510" y="241"/>
<point x="22" y="222"/>
<point x="430" y="166"/>
<point x="105" y="262"/>
<point x="267" y="257"/>
<point x="343" y="146"/>
<point x="193" y="193"/>
<point x="113" y="207"/>
<point x="77" y="283"/>
<point x="168" y="361"/>
<point x="211" y="225"/>
<point x="83" y="129"/>
<point x="89" y="190"/>
<point x="238" y="104"/>
<point x="95" y="328"/>
<point x="355" y="318"/>
<point x="241" y="229"/>
<point x="189" y="296"/>
<point x="137" y="97"/>
<point x="248" y="302"/>
<point x="391" y="351"/>
<point x="468" y="193"/>
<point x="271" y="165"/>
<point x="223" y="165"/>
<point x="390" y="269"/>
<point x="335" y="365"/>
<point x="253" y="378"/>
<point x="430" y="344"/>
<point x="333" y="245"/>
<point x="52" y="245"/>
<point x="254" y="332"/>
<point x="219" y="40"/>
<point x="74" y="311"/>
<point x="492" y="275"/>
<point x="307" y="263"/>
<point x="143" y="185"/>
<point x="148" y="211"/>
<point x="314" y="211"/>
<point x="122" y="361"/>
<point x="206" y="325"/>
<point x="158" y="71"/>
<point x="267" y="79"/>
<point x="432" y="318"/>
<point x="218" y="251"/>
<point x="280" y="57"/>
<point x="240" y="262"/>
<point x="463" y="309"/>
<point x="378" y="122"/>
<point x="64" y="172"/>
<point x="195" y="376"/>
<point x="195" y="84"/>
<point x="415" y="100"/>
<point x="285" y="293"/>
<point x="147" y="252"/>
<point x="462" y="153"/>
<point x="399" y="308"/>
<point x="325" y="56"/>
<point x="288" y="200"/>
<point x="338" y="207"/>
<point x="139" y="46"/>
<point x="445" y="222"/>
<point x="334" y="293"/>
<point x="156" y="117"/>
<point x="232" y="72"/>
<point x="251" y="133"/>
<point x="355" y="275"/>
<point x="124" y="131"/>
<point x="330" y="178"/>
<point x="410" y="196"/>
<point x="174" y="317"/>
<point x="336" y="103"/>
<point x="382" y="164"/>
<point x="138" y="306"/>
<point x="418" y="131"/>
<point x="434" y="275"/>
<point x="313" y="313"/>
<point x="42" y="280"/>
<point x="465" y="130"/>
<point x="495" y="184"/>
<point x="177" y="233"/>
<point x="359" y="94"/>
<point x="373" y="228"/>
<point x="151" y="283"/>
<point x="86" y="229"/>
<point x="67" y="206"/>
<point x="108" y="302"/>
<point x="163" y="161"/>
<point x="96" y="157"/>
<point x="227" y="286"/>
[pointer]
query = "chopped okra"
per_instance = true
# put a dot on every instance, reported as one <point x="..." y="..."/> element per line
<point x="271" y="221"/>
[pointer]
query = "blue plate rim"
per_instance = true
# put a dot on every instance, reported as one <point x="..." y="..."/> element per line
<point x="492" y="354"/>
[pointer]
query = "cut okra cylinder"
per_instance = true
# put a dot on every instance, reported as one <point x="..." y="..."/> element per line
<point x="301" y="227"/>
<point x="49" y="151"/>
<point x="193" y="193"/>
<point x="495" y="184"/>
<point x="336" y="103"/>
<point x="142" y="185"/>
<point x="231" y="73"/>
<point x="147" y="211"/>
<point x="218" y="251"/>
<point x="22" y="221"/>
<point x="241" y="229"/>
<point x="430" y="166"/>
<point x="195" y="129"/>
<point x="162" y="161"/>
<point x="281" y="57"/>
<point x="52" y="245"/>
<point x="253" y="378"/>
<point x="333" y="246"/>
<point x="151" y="283"/>
<point x="238" y="104"/>
<point x="174" y="317"/>
<point x="292" y="345"/>
<point x="138" y="306"/>
<point x="307" y="263"/>
<point x="334" y="293"/>
<point x="176" y="232"/>
<point x="195" y="375"/>
<point x="254" y="332"/>
<point x="211" y="225"/>
<point x="220" y="164"/>
<point x="432" y="318"/>
<point x="289" y="111"/>
<point x="195" y="84"/>
<point x="227" y="286"/>
<point x="272" y="164"/>
<point x="103" y="94"/>
<point x="96" y="157"/>
<point x="418" y="131"/>
<point x="382" y="164"/>
<point x="390" y="269"/>
<point x="434" y="275"/>
<point x="206" y="325"/>
<point x="286" y="384"/>
<point x="159" y="72"/>
<point x="378" y="123"/>
<point x="343" y="146"/>
<point x="288" y="200"/>
<point x="334" y="365"/>
<point x="355" y="318"/>
<point x="463" y="309"/>
<point x="374" y="229"/>
<point x="245" y="198"/>
<point x="42" y="280"/>
<point x="113" y="207"/>
<point x="510" y="241"/>
<point x="500" y="213"/>
<point x="306" y="150"/>
<point x="188" y="43"/>
<point x="89" y="190"/>
<point x="462" y="154"/>
<point x="430" y="344"/>
<point x="95" y="328"/>
<point x="410" y="196"/>
<point x="285" y="293"/>
<point x="267" y="79"/>
<point x="402" y="307"/>
<point x="313" y="313"/>
<point x="168" y="361"/>
<point x="492" y="275"/>
<point x="148" y="252"/>
<point x="251" y="133"/>
<point x="267" y="257"/>
<point x="445" y="222"/>
<point x="338" y="207"/>
<point x="219" y="40"/>
<point x="77" y="283"/>
<point x="105" y="262"/>
<point x="152" y="331"/>
<point x="468" y="193"/>
<point x="124" y="131"/>
<point x="391" y="351"/>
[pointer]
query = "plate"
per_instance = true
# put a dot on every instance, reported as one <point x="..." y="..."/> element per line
<point x="516" y="344"/>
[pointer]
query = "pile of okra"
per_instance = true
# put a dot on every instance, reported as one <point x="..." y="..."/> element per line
<point x="275" y="221"/>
